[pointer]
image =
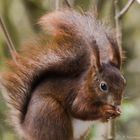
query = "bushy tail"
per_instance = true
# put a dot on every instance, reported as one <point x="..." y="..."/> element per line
<point x="66" y="53"/>
<point x="17" y="85"/>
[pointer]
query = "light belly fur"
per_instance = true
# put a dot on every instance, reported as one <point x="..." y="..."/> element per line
<point x="80" y="127"/>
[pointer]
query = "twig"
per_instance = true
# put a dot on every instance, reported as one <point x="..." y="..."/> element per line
<point x="8" y="39"/>
<point x="57" y="4"/>
<point x="125" y="9"/>
<point x="118" y="25"/>
<point x="111" y="130"/>
<point x="68" y="3"/>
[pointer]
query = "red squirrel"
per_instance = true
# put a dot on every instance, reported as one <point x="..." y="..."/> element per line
<point x="68" y="76"/>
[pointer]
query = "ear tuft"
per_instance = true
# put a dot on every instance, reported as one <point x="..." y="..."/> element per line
<point x="96" y="54"/>
<point x="114" y="56"/>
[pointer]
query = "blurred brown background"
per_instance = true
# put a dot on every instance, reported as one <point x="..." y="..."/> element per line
<point x="21" y="17"/>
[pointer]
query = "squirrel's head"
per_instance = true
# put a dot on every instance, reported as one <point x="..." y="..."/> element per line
<point x="108" y="85"/>
<point x="107" y="81"/>
<point x="103" y="85"/>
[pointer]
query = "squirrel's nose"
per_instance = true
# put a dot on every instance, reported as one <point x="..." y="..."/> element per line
<point x="118" y="109"/>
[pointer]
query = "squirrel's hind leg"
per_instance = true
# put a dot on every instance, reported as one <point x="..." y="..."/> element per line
<point x="46" y="120"/>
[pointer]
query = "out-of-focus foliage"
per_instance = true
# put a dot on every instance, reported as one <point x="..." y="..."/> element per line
<point x="21" y="17"/>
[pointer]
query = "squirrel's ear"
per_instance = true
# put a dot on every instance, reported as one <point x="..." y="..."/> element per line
<point x="96" y="54"/>
<point x="115" y="56"/>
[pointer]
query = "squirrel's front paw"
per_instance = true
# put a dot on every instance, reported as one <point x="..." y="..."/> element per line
<point x="109" y="112"/>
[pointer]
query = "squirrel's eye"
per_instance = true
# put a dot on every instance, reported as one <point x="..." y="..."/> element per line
<point x="103" y="86"/>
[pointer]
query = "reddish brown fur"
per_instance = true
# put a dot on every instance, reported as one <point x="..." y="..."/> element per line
<point x="57" y="78"/>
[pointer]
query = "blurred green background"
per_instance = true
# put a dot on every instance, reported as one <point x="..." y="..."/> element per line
<point x="21" y="17"/>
